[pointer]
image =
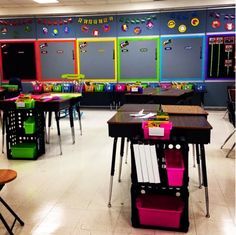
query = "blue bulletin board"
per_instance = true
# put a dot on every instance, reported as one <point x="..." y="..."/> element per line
<point x="183" y="22"/>
<point x="18" y="28"/>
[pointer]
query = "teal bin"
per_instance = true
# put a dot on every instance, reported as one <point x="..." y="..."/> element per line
<point x="29" y="125"/>
<point x="24" y="151"/>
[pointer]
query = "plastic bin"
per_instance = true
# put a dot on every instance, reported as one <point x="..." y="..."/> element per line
<point x="120" y="87"/>
<point x="174" y="167"/>
<point x="109" y="87"/>
<point x="24" y="150"/>
<point x="159" y="210"/>
<point x="25" y="104"/>
<point x="29" y="125"/>
<point x="38" y="88"/>
<point x="167" y="126"/>
<point x="165" y="85"/>
<point x="57" y="87"/>
<point x="99" y="87"/>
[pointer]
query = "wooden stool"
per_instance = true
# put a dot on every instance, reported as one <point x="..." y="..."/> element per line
<point x="7" y="176"/>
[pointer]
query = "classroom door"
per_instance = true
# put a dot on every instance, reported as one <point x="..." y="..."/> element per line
<point x="181" y="58"/>
<point x="97" y="60"/>
<point x="137" y="60"/>
<point x="56" y="58"/>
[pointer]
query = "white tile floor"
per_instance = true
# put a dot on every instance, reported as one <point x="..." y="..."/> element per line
<point x="68" y="194"/>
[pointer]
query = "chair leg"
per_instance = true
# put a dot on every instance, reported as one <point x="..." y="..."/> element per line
<point x="17" y="218"/>
<point x="227" y="139"/>
<point x="230" y="150"/>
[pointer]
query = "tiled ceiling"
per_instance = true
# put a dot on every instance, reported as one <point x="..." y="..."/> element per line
<point x="29" y="7"/>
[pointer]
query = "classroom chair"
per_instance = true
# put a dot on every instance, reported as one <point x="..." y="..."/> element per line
<point x="6" y="176"/>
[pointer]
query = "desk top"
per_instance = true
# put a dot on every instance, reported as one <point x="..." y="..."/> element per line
<point x="170" y="109"/>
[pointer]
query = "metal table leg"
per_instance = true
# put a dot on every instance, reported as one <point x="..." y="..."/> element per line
<point x="204" y="178"/>
<point x="58" y="130"/>
<point x="121" y="157"/>
<point x="112" y="170"/>
<point x="3" y="130"/>
<point x="72" y="124"/>
<point x="49" y="126"/>
<point x="126" y="151"/>
<point x="199" y="166"/>
<point x="79" y="117"/>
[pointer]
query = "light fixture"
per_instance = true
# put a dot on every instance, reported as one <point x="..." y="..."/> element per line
<point x="46" y="1"/>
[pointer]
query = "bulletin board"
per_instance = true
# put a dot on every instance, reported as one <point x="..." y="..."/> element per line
<point x="182" y="58"/>
<point x="18" y="59"/>
<point x="97" y="59"/>
<point x="56" y="58"/>
<point x="220" y="57"/>
<point x="138" y="59"/>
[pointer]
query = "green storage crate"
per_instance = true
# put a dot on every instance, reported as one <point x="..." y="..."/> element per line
<point x="25" y="104"/>
<point x="10" y="87"/>
<point x="57" y="87"/>
<point x="29" y="125"/>
<point x="24" y="151"/>
<point x="99" y="87"/>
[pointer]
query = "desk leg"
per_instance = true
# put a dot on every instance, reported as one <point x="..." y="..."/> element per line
<point x="204" y="177"/>
<point x="3" y="130"/>
<point x="79" y="117"/>
<point x="58" y="130"/>
<point x="112" y="170"/>
<point x="72" y="124"/>
<point x="49" y="126"/>
<point x="198" y="166"/>
<point x="193" y="156"/>
<point x="126" y="152"/>
<point x="121" y="157"/>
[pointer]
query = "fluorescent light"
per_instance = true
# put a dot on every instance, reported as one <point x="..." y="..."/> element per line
<point x="46" y="1"/>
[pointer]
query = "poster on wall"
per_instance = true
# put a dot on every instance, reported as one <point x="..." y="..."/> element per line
<point x="138" y="25"/>
<point x="182" y="58"/>
<point x="138" y="59"/>
<point x="96" y="26"/>
<point x="97" y="59"/>
<point x="17" y="28"/>
<point x="221" y="57"/>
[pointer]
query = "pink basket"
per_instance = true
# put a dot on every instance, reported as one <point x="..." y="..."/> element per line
<point x="120" y="87"/>
<point x="174" y="167"/>
<point x="38" y="87"/>
<point x="165" y="85"/>
<point x="159" y="210"/>
<point x="167" y="128"/>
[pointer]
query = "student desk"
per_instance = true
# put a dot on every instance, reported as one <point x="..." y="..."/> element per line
<point x="191" y="129"/>
<point x="41" y="107"/>
<point x="159" y="96"/>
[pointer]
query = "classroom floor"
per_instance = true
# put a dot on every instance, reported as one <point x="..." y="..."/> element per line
<point x="68" y="194"/>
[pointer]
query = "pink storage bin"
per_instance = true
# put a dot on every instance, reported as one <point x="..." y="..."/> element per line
<point x="120" y="87"/>
<point x="165" y="85"/>
<point x="160" y="210"/>
<point x="167" y="128"/>
<point x="174" y="167"/>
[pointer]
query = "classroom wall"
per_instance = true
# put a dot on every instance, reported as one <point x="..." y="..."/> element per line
<point x="186" y="46"/>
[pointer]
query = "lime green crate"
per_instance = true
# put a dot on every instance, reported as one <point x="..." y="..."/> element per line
<point x="57" y="87"/>
<point x="188" y="86"/>
<point x="99" y="87"/>
<point x="24" y="151"/>
<point x="29" y="125"/>
<point x="25" y="104"/>
<point x="10" y="87"/>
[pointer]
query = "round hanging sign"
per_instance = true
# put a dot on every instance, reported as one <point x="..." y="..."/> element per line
<point x="106" y="28"/>
<point x="124" y="27"/>
<point x="137" y="30"/>
<point x="171" y="24"/>
<point x="182" y="28"/>
<point x="45" y="30"/>
<point x="84" y="28"/>
<point x="195" y="22"/>
<point x="4" y="30"/>
<point x="215" y="24"/>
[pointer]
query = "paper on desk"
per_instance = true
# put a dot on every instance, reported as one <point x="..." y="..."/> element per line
<point x="148" y="115"/>
<point x="140" y="113"/>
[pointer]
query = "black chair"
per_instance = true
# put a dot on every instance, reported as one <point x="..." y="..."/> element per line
<point x="231" y="114"/>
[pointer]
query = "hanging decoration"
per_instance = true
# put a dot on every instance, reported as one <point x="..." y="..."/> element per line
<point x="142" y="20"/>
<point x="149" y="24"/>
<point x="195" y="22"/>
<point x="84" y="28"/>
<point x="66" y="29"/>
<point x="28" y="29"/>
<point x="95" y="21"/>
<point x="229" y="26"/>
<point x="55" y="22"/>
<point x="95" y="33"/>
<point x="137" y="30"/>
<point x="55" y="32"/>
<point x="16" y="22"/>
<point x="215" y="24"/>
<point x="45" y="30"/>
<point x="106" y="28"/>
<point x="171" y="24"/>
<point x="124" y="27"/>
<point x="4" y="30"/>
<point x="182" y="28"/>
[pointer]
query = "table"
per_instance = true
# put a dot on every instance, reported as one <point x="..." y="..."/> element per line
<point x="159" y="96"/>
<point x="193" y="129"/>
<point x="42" y="106"/>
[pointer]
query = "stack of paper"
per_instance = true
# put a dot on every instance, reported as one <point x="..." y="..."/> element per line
<point x="146" y="163"/>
